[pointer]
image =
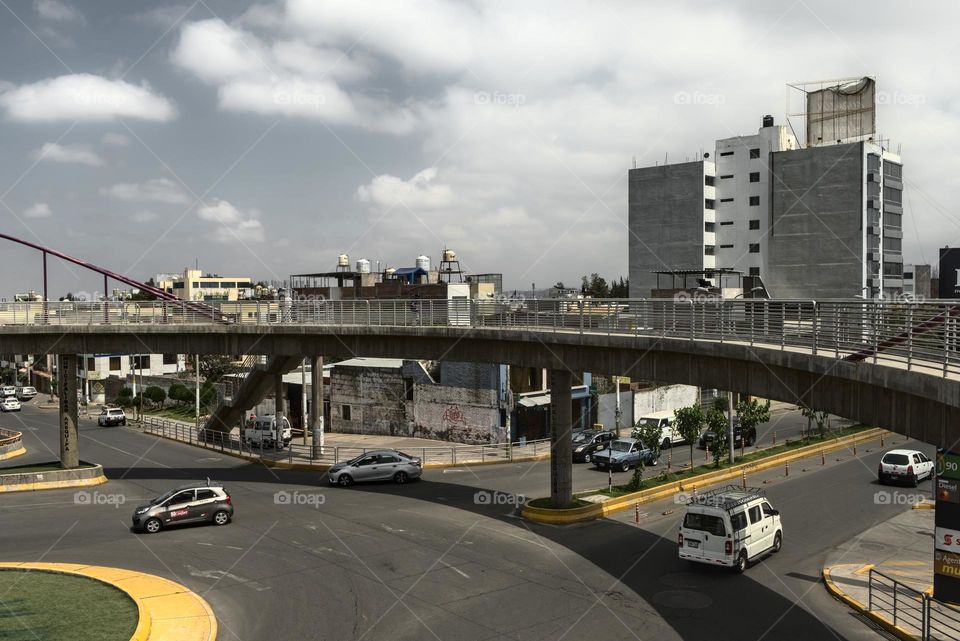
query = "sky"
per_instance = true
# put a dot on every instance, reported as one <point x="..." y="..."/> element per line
<point x="263" y="139"/>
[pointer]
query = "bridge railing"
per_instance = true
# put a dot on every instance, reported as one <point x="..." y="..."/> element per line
<point x="911" y="609"/>
<point x="921" y="335"/>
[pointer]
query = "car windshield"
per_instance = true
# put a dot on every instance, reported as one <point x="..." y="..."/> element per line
<point x="580" y="437"/>
<point x="163" y="497"/>
<point x="648" y="421"/>
<point x="621" y="446"/>
<point x="896" y="459"/>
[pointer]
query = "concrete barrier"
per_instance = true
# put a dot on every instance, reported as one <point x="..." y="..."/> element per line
<point x="53" y="479"/>
<point x="11" y="444"/>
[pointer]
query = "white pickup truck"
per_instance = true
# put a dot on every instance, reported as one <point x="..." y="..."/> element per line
<point x="262" y="431"/>
<point x="669" y="436"/>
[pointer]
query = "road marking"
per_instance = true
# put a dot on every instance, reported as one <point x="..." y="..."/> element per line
<point x="389" y="529"/>
<point x="221" y="574"/>
<point x="210" y="544"/>
<point x="457" y="570"/>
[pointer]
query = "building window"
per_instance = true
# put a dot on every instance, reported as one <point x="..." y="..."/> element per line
<point x="709" y="250"/>
<point x="893" y="220"/>
<point x="227" y="285"/>
<point x="726" y="246"/>
<point x="907" y="275"/>
<point x="114" y="363"/>
<point x="209" y="284"/>
<point x="893" y="269"/>
<point x="141" y="361"/>
<point x="893" y="171"/>
<point x="91" y="364"/>
<point x="755" y="224"/>
<point x="709" y="203"/>
<point x="754" y="248"/>
<point x="726" y="176"/>
<point x="708" y="180"/>
<point x="196" y="284"/>
<point x="170" y="359"/>
<point x="891" y="195"/>
<point x="754" y="271"/>
<point x="754" y="201"/>
<point x="709" y="227"/>
<point x="754" y="176"/>
<point x="726" y="200"/>
<point x="345" y="412"/>
<point x="755" y="153"/>
<point x="892" y="244"/>
<point x="178" y="284"/>
<point x="725" y="223"/>
<point x="726" y="153"/>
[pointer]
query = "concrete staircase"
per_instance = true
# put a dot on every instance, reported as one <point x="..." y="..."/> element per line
<point x="254" y="388"/>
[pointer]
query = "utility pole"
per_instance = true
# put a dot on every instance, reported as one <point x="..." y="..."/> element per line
<point x="616" y="414"/>
<point x="730" y="424"/>
<point x="196" y="371"/>
<point x="303" y="399"/>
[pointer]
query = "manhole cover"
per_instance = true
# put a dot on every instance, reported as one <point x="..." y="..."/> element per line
<point x="682" y="580"/>
<point x="682" y="599"/>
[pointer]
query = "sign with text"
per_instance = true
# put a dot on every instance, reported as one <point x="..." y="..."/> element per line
<point x="946" y="563"/>
<point x="948" y="465"/>
<point x="948" y="490"/>
<point x="947" y="540"/>
<point x="950" y="272"/>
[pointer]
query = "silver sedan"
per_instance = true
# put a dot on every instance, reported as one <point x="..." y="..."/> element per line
<point x="376" y="465"/>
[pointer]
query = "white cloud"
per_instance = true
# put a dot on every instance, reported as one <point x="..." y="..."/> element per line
<point x="39" y="210"/>
<point x="420" y="192"/>
<point x="159" y="190"/>
<point x="143" y="217"/>
<point x="56" y="10"/>
<point x="68" y="154"/>
<point x="233" y="225"/>
<point x="84" y="96"/>
<point x="114" y="139"/>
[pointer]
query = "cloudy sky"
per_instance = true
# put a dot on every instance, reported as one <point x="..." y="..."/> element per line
<point x="265" y="138"/>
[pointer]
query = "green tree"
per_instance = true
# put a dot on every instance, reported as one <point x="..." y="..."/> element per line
<point x="721" y="403"/>
<point x="815" y="416"/>
<point x="155" y="395"/>
<point x="688" y="421"/>
<point x="620" y="289"/>
<point x="179" y="393"/>
<point x="208" y="397"/>
<point x="718" y="423"/>
<point x="595" y="286"/>
<point x="750" y="414"/>
<point x="215" y="367"/>
<point x="649" y="435"/>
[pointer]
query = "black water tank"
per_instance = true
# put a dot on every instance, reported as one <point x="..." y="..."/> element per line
<point x="768" y="121"/>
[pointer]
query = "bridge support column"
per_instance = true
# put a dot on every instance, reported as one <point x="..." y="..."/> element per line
<point x="67" y="389"/>
<point x="316" y="404"/>
<point x="561" y="452"/>
<point x="280" y="402"/>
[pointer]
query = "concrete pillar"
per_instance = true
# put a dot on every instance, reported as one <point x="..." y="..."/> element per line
<point x="280" y="405"/>
<point x="316" y="404"/>
<point x="561" y="445"/>
<point x="67" y="389"/>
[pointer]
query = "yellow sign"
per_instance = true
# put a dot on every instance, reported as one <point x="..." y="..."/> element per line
<point x="93" y="375"/>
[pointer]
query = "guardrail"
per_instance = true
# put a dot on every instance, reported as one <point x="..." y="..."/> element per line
<point x="331" y="455"/>
<point x="921" y="335"/>
<point x="911" y="609"/>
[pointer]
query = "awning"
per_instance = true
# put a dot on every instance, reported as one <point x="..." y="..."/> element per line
<point x="534" y="401"/>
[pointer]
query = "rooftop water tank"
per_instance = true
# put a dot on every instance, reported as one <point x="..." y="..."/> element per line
<point x="449" y="255"/>
<point x="423" y="262"/>
<point x="343" y="260"/>
<point x="363" y="266"/>
<point x="390" y="271"/>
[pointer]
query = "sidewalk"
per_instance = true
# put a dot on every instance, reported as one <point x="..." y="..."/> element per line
<point x="887" y="574"/>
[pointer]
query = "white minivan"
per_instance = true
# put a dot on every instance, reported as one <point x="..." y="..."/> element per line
<point x="261" y="431"/>
<point x="669" y="436"/>
<point x="729" y="526"/>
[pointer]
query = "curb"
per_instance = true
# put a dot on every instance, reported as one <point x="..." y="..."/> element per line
<point x="41" y="484"/>
<point x="167" y="610"/>
<point x="9" y="455"/>
<point x="600" y="510"/>
<point x="883" y="622"/>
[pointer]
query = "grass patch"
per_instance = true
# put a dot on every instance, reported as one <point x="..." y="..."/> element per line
<point x="38" y="467"/>
<point x="185" y="413"/>
<point x="652" y="479"/>
<point x="47" y="606"/>
<point x="548" y="504"/>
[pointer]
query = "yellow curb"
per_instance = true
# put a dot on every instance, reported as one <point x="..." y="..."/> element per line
<point x="923" y="506"/>
<point x="54" y="485"/>
<point x="20" y="452"/>
<point x="882" y="621"/>
<point x="167" y="611"/>
<point x="599" y="510"/>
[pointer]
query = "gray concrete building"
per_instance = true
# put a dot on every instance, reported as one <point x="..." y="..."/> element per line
<point x="671" y="221"/>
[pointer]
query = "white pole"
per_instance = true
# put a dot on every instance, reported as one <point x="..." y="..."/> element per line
<point x="303" y="399"/>
<point x="196" y="367"/>
<point x="730" y="426"/>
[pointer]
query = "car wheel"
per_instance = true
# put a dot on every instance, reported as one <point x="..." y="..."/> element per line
<point x="741" y="565"/>
<point x="751" y="440"/>
<point x="655" y="461"/>
<point x="344" y="480"/>
<point x="220" y="517"/>
<point x="665" y="445"/>
<point x="400" y="478"/>
<point x="914" y="481"/>
<point x="587" y="458"/>
<point x="100" y="423"/>
<point x="624" y="466"/>
<point x="123" y="422"/>
<point x="152" y="526"/>
<point x="881" y="480"/>
<point x="777" y="542"/>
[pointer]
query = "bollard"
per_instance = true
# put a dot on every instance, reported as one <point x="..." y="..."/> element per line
<point x="706" y="453"/>
<point x="786" y="469"/>
<point x="823" y="458"/>
<point x="637" y="513"/>
<point x="881" y="441"/>
<point x="774" y="438"/>
<point x="743" y="475"/>
<point x="669" y="459"/>
<point x="854" y="448"/>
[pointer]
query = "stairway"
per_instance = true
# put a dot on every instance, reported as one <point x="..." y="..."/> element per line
<point x="254" y="388"/>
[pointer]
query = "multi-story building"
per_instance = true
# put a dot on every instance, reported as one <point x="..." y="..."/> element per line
<point x="93" y="369"/>
<point x="917" y="282"/>
<point x="197" y="286"/>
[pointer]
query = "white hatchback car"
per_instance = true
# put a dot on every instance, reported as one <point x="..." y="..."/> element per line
<point x="729" y="526"/>
<point x="911" y="466"/>
<point x="10" y="404"/>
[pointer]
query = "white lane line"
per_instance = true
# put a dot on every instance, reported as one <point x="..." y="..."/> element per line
<point x="457" y="570"/>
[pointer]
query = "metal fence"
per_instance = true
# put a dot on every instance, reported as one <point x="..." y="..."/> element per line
<point x="331" y="455"/>
<point x="913" y="335"/>
<point x="912" y="609"/>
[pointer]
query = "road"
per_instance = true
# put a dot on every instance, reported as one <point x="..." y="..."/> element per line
<point x="428" y="560"/>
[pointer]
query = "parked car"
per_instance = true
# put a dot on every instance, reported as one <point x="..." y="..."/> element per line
<point x="378" y="465"/>
<point x="669" y="436"/>
<point x="10" y="404"/>
<point x="26" y="393"/>
<point x="586" y="442"/>
<point x="111" y="416"/>
<point x="911" y="466"/>
<point x="8" y="390"/>
<point x="729" y="526"/>
<point x="187" y="504"/>
<point x="624" y="453"/>
<point x="707" y="437"/>
<point x="262" y="431"/>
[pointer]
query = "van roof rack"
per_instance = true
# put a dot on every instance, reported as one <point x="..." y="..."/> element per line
<point x="727" y="497"/>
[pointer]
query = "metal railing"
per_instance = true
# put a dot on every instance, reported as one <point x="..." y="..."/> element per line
<point x="331" y="455"/>
<point x="9" y="437"/>
<point x="911" y="609"/>
<point x="913" y="335"/>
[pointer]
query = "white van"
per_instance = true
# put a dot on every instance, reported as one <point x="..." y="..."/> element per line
<point x="261" y="431"/>
<point x="730" y="526"/>
<point x="669" y="436"/>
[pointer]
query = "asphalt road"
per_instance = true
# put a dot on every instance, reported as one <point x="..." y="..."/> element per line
<point x="434" y="559"/>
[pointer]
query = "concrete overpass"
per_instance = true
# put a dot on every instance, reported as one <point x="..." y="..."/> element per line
<point x="894" y="365"/>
